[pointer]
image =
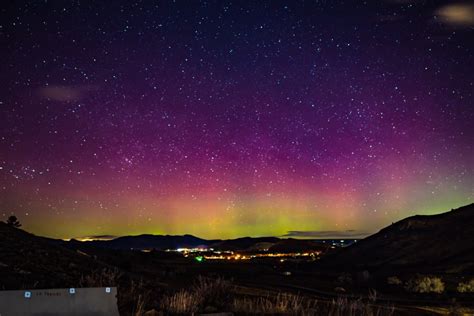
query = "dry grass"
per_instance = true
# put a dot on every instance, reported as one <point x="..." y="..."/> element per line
<point x="283" y="303"/>
<point x="101" y="278"/>
<point x="218" y="294"/>
<point x="139" y="309"/>
<point x="346" y="307"/>
<point x="136" y="289"/>
<point x="133" y="296"/>
<point x="182" y="302"/>
<point x="288" y="304"/>
<point x="205" y="292"/>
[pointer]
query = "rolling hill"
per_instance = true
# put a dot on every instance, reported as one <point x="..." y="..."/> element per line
<point x="29" y="261"/>
<point x="428" y="243"/>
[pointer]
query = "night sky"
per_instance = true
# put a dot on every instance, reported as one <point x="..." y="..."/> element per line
<point x="225" y="119"/>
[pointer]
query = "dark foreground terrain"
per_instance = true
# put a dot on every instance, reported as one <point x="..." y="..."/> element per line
<point x="420" y="265"/>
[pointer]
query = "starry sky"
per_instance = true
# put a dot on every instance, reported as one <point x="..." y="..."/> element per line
<point x="234" y="118"/>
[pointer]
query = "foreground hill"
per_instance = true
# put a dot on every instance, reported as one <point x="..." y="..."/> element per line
<point x="30" y="261"/>
<point x="441" y="243"/>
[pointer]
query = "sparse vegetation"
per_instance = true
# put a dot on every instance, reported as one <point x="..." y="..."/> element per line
<point x="289" y="304"/>
<point x="218" y="295"/>
<point x="425" y="284"/>
<point x="345" y="279"/>
<point x="100" y="278"/>
<point x="394" y="280"/>
<point x="205" y="293"/>
<point x="214" y="292"/>
<point x="467" y="287"/>
<point x="132" y="295"/>
<point x="139" y="308"/>
<point x="282" y="303"/>
<point x="344" y="306"/>
<point x="181" y="302"/>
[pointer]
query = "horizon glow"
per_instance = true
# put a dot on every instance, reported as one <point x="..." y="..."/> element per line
<point x="222" y="120"/>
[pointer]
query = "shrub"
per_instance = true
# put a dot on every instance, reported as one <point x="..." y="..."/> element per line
<point x="467" y="287"/>
<point x="394" y="280"/>
<point x="425" y="284"/>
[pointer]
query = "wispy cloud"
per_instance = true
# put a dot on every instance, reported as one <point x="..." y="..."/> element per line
<point x="456" y="14"/>
<point x="330" y="234"/>
<point x="65" y="93"/>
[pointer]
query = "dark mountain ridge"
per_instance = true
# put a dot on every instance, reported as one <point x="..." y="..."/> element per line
<point x="442" y="243"/>
<point x="164" y="242"/>
<point x="147" y="241"/>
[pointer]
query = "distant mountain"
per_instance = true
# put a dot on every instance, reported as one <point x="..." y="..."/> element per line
<point x="150" y="242"/>
<point x="29" y="261"/>
<point x="443" y="243"/>
<point x="163" y="242"/>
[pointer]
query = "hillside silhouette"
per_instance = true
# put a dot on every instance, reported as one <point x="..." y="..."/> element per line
<point x="425" y="243"/>
<point x="29" y="261"/>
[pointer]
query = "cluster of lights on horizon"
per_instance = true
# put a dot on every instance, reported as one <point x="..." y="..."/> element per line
<point x="201" y="254"/>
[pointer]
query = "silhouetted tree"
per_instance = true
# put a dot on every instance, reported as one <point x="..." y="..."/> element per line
<point x="13" y="221"/>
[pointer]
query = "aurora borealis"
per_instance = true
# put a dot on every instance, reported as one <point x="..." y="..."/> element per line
<point x="225" y="119"/>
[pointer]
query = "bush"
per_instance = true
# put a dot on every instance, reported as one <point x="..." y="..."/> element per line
<point x="466" y="287"/>
<point x="394" y="280"/>
<point x="425" y="285"/>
